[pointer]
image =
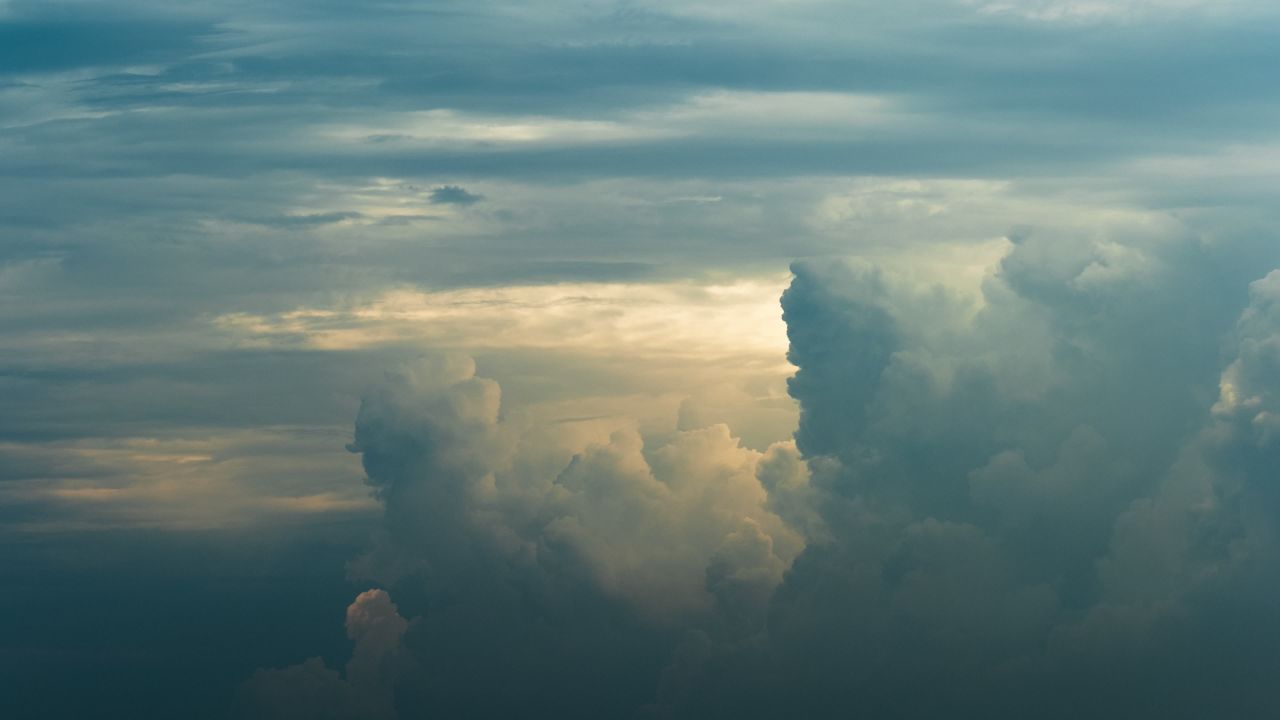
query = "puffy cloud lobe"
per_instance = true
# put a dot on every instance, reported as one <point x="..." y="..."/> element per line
<point x="561" y="563"/>
<point x="312" y="690"/>
<point x="459" y="480"/>
<point x="376" y="627"/>
<point x="1248" y="396"/>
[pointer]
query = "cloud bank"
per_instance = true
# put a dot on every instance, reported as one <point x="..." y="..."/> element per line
<point x="1049" y="499"/>
<point x="1029" y="470"/>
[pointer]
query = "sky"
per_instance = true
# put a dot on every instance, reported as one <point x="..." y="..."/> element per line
<point x="639" y="359"/>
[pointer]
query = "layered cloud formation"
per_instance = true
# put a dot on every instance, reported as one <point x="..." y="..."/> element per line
<point x="1022" y="464"/>
<point x="1050" y="499"/>
<point x="205" y="208"/>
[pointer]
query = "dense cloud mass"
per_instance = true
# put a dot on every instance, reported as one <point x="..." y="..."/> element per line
<point x="1053" y="509"/>
<point x="1018" y="464"/>
<point x="1051" y="501"/>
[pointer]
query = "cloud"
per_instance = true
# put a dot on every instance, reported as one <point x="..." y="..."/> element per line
<point x="466" y="488"/>
<point x="454" y="195"/>
<point x="221" y="221"/>
<point x="558" y="564"/>
<point x="1007" y="520"/>
<point x="306" y="221"/>
<point x="1008" y="524"/>
<point x="312" y="690"/>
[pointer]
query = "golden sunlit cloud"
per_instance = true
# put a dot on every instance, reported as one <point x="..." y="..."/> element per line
<point x="708" y="322"/>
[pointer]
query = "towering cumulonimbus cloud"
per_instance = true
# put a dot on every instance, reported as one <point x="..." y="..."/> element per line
<point x="1053" y="503"/>
<point x="1054" y="498"/>
<point x="467" y="490"/>
<point x="558" y="564"/>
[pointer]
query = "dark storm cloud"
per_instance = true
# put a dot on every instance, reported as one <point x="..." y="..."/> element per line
<point x="1061" y="501"/>
<point x="1010" y="577"/>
